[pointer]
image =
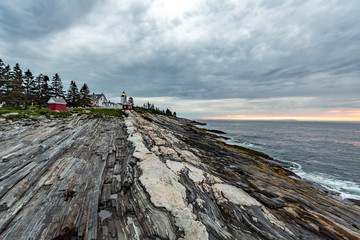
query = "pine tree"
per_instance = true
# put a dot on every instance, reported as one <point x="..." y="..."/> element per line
<point x="168" y="112"/>
<point x="2" y="82"/>
<point x="131" y="100"/>
<point x="57" y="87"/>
<point x="37" y="90"/>
<point x="16" y="95"/>
<point x="7" y="77"/>
<point x="73" y="95"/>
<point x="29" y="86"/>
<point x="41" y="91"/>
<point x="45" y="91"/>
<point x="85" y="100"/>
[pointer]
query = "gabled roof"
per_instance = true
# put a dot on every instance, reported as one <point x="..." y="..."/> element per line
<point x="58" y="100"/>
<point x="94" y="97"/>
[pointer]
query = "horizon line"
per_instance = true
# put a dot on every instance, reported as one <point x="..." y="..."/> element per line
<point x="276" y="118"/>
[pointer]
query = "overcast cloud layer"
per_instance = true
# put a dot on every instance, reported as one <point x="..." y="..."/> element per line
<point x="200" y="58"/>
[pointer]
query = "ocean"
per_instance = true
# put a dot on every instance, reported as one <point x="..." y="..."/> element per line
<point x="327" y="153"/>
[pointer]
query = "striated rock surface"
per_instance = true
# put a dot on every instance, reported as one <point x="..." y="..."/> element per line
<point x="152" y="177"/>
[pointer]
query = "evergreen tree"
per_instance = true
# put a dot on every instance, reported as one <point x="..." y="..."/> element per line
<point x="45" y="91"/>
<point x="174" y="114"/>
<point x="131" y="100"/>
<point x="147" y="105"/>
<point x="7" y="77"/>
<point x="37" y="90"/>
<point x="73" y="95"/>
<point x="2" y="82"/>
<point x="57" y="87"/>
<point x="168" y="112"/>
<point x="29" y="86"/>
<point x="16" y="95"/>
<point x="41" y="91"/>
<point x="85" y="100"/>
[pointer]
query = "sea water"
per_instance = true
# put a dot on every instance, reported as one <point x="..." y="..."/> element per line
<point x="327" y="153"/>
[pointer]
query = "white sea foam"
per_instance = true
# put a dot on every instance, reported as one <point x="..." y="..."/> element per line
<point x="250" y="145"/>
<point x="243" y="144"/>
<point x="346" y="189"/>
<point x="322" y="146"/>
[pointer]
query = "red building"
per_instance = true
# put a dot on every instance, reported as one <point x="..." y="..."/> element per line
<point x="127" y="106"/>
<point x="57" y="103"/>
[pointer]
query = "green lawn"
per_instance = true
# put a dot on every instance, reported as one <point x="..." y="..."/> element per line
<point x="106" y="112"/>
<point x="32" y="111"/>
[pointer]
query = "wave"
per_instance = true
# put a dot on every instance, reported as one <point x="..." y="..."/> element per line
<point x="243" y="144"/>
<point x="250" y="145"/>
<point x="346" y="189"/>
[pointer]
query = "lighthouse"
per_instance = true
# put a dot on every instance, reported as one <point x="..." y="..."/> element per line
<point x="126" y="105"/>
<point x="123" y="98"/>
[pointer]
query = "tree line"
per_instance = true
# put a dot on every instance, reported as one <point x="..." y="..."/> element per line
<point x="24" y="89"/>
<point x="151" y="108"/>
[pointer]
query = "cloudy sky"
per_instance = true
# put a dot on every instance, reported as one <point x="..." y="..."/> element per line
<point x="231" y="59"/>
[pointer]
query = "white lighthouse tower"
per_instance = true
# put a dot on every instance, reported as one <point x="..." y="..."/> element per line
<point x="123" y="98"/>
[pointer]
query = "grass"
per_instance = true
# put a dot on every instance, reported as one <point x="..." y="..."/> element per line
<point x="106" y="112"/>
<point x="140" y="110"/>
<point x="47" y="113"/>
<point x="35" y="111"/>
<point x="32" y="111"/>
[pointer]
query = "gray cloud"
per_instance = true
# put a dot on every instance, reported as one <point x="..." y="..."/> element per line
<point x="29" y="20"/>
<point x="193" y="49"/>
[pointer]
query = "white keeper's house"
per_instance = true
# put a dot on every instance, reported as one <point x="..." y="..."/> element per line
<point x="98" y="100"/>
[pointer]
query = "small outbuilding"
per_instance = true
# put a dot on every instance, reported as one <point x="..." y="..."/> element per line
<point x="127" y="106"/>
<point x="57" y="104"/>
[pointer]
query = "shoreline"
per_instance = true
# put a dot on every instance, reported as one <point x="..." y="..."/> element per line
<point x="285" y="164"/>
<point x="153" y="176"/>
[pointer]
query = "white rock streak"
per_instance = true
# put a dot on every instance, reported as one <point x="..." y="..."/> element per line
<point x="226" y="192"/>
<point x="163" y="187"/>
<point x="161" y="180"/>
